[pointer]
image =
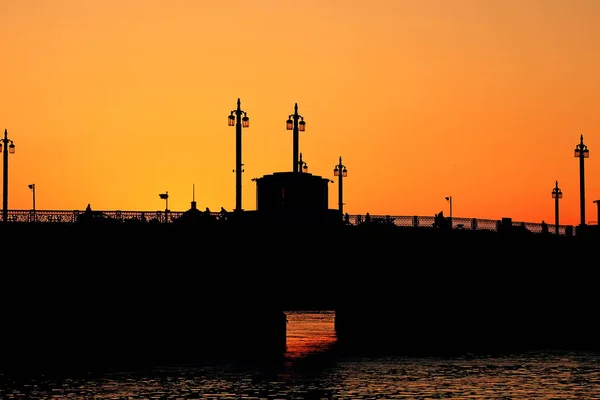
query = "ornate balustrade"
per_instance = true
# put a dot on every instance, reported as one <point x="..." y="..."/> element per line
<point x="457" y="223"/>
<point x="57" y="216"/>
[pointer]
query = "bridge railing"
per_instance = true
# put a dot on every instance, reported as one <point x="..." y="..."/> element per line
<point x="71" y="216"/>
<point x="61" y="216"/>
<point x="456" y="223"/>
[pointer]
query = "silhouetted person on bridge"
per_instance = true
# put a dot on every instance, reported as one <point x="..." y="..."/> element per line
<point x="544" y="227"/>
<point x="87" y="215"/>
<point x="439" y="221"/>
<point x="207" y="216"/>
<point x="223" y="214"/>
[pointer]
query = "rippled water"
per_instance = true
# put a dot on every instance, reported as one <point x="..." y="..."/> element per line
<point x="312" y="371"/>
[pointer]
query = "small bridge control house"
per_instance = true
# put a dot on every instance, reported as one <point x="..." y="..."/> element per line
<point x="294" y="197"/>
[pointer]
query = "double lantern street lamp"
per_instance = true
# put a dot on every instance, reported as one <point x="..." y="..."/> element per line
<point x="556" y="195"/>
<point x="6" y="146"/>
<point x="236" y="119"/>
<point x="341" y="172"/>
<point x="296" y="123"/>
<point x="582" y="152"/>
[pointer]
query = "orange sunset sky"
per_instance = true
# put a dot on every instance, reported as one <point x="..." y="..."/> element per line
<point x="111" y="102"/>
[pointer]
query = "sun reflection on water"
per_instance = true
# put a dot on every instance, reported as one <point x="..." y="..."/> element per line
<point x="309" y="333"/>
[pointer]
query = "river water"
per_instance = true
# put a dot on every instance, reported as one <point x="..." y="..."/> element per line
<point x="312" y="369"/>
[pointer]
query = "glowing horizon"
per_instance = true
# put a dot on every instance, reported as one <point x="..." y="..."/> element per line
<point x="112" y="103"/>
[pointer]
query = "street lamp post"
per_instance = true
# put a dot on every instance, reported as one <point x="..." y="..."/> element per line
<point x="302" y="166"/>
<point x="236" y="119"/>
<point x="449" y="199"/>
<point x="341" y="172"/>
<point x="296" y="123"/>
<point x="7" y="146"/>
<point x="32" y="187"/>
<point x="556" y="195"/>
<point x="582" y="152"/>
<point x="165" y="197"/>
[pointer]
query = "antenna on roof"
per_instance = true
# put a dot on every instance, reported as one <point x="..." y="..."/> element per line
<point x="193" y="196"/>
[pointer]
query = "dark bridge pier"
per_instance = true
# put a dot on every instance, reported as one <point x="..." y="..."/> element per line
<point x="141" y="322"/>
<point x="439" y="313"/>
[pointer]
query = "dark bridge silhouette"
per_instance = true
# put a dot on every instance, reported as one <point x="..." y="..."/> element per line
<point x="100" y="294"/>
<point x="118" y="287"/>
<point x="97" y="289"/>
<point x="92" y="288"/>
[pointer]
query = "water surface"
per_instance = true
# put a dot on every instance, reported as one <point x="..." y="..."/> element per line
<point x="311" y="370"/>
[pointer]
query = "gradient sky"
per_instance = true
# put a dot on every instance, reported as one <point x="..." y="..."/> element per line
<point x="112" y="102"/>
